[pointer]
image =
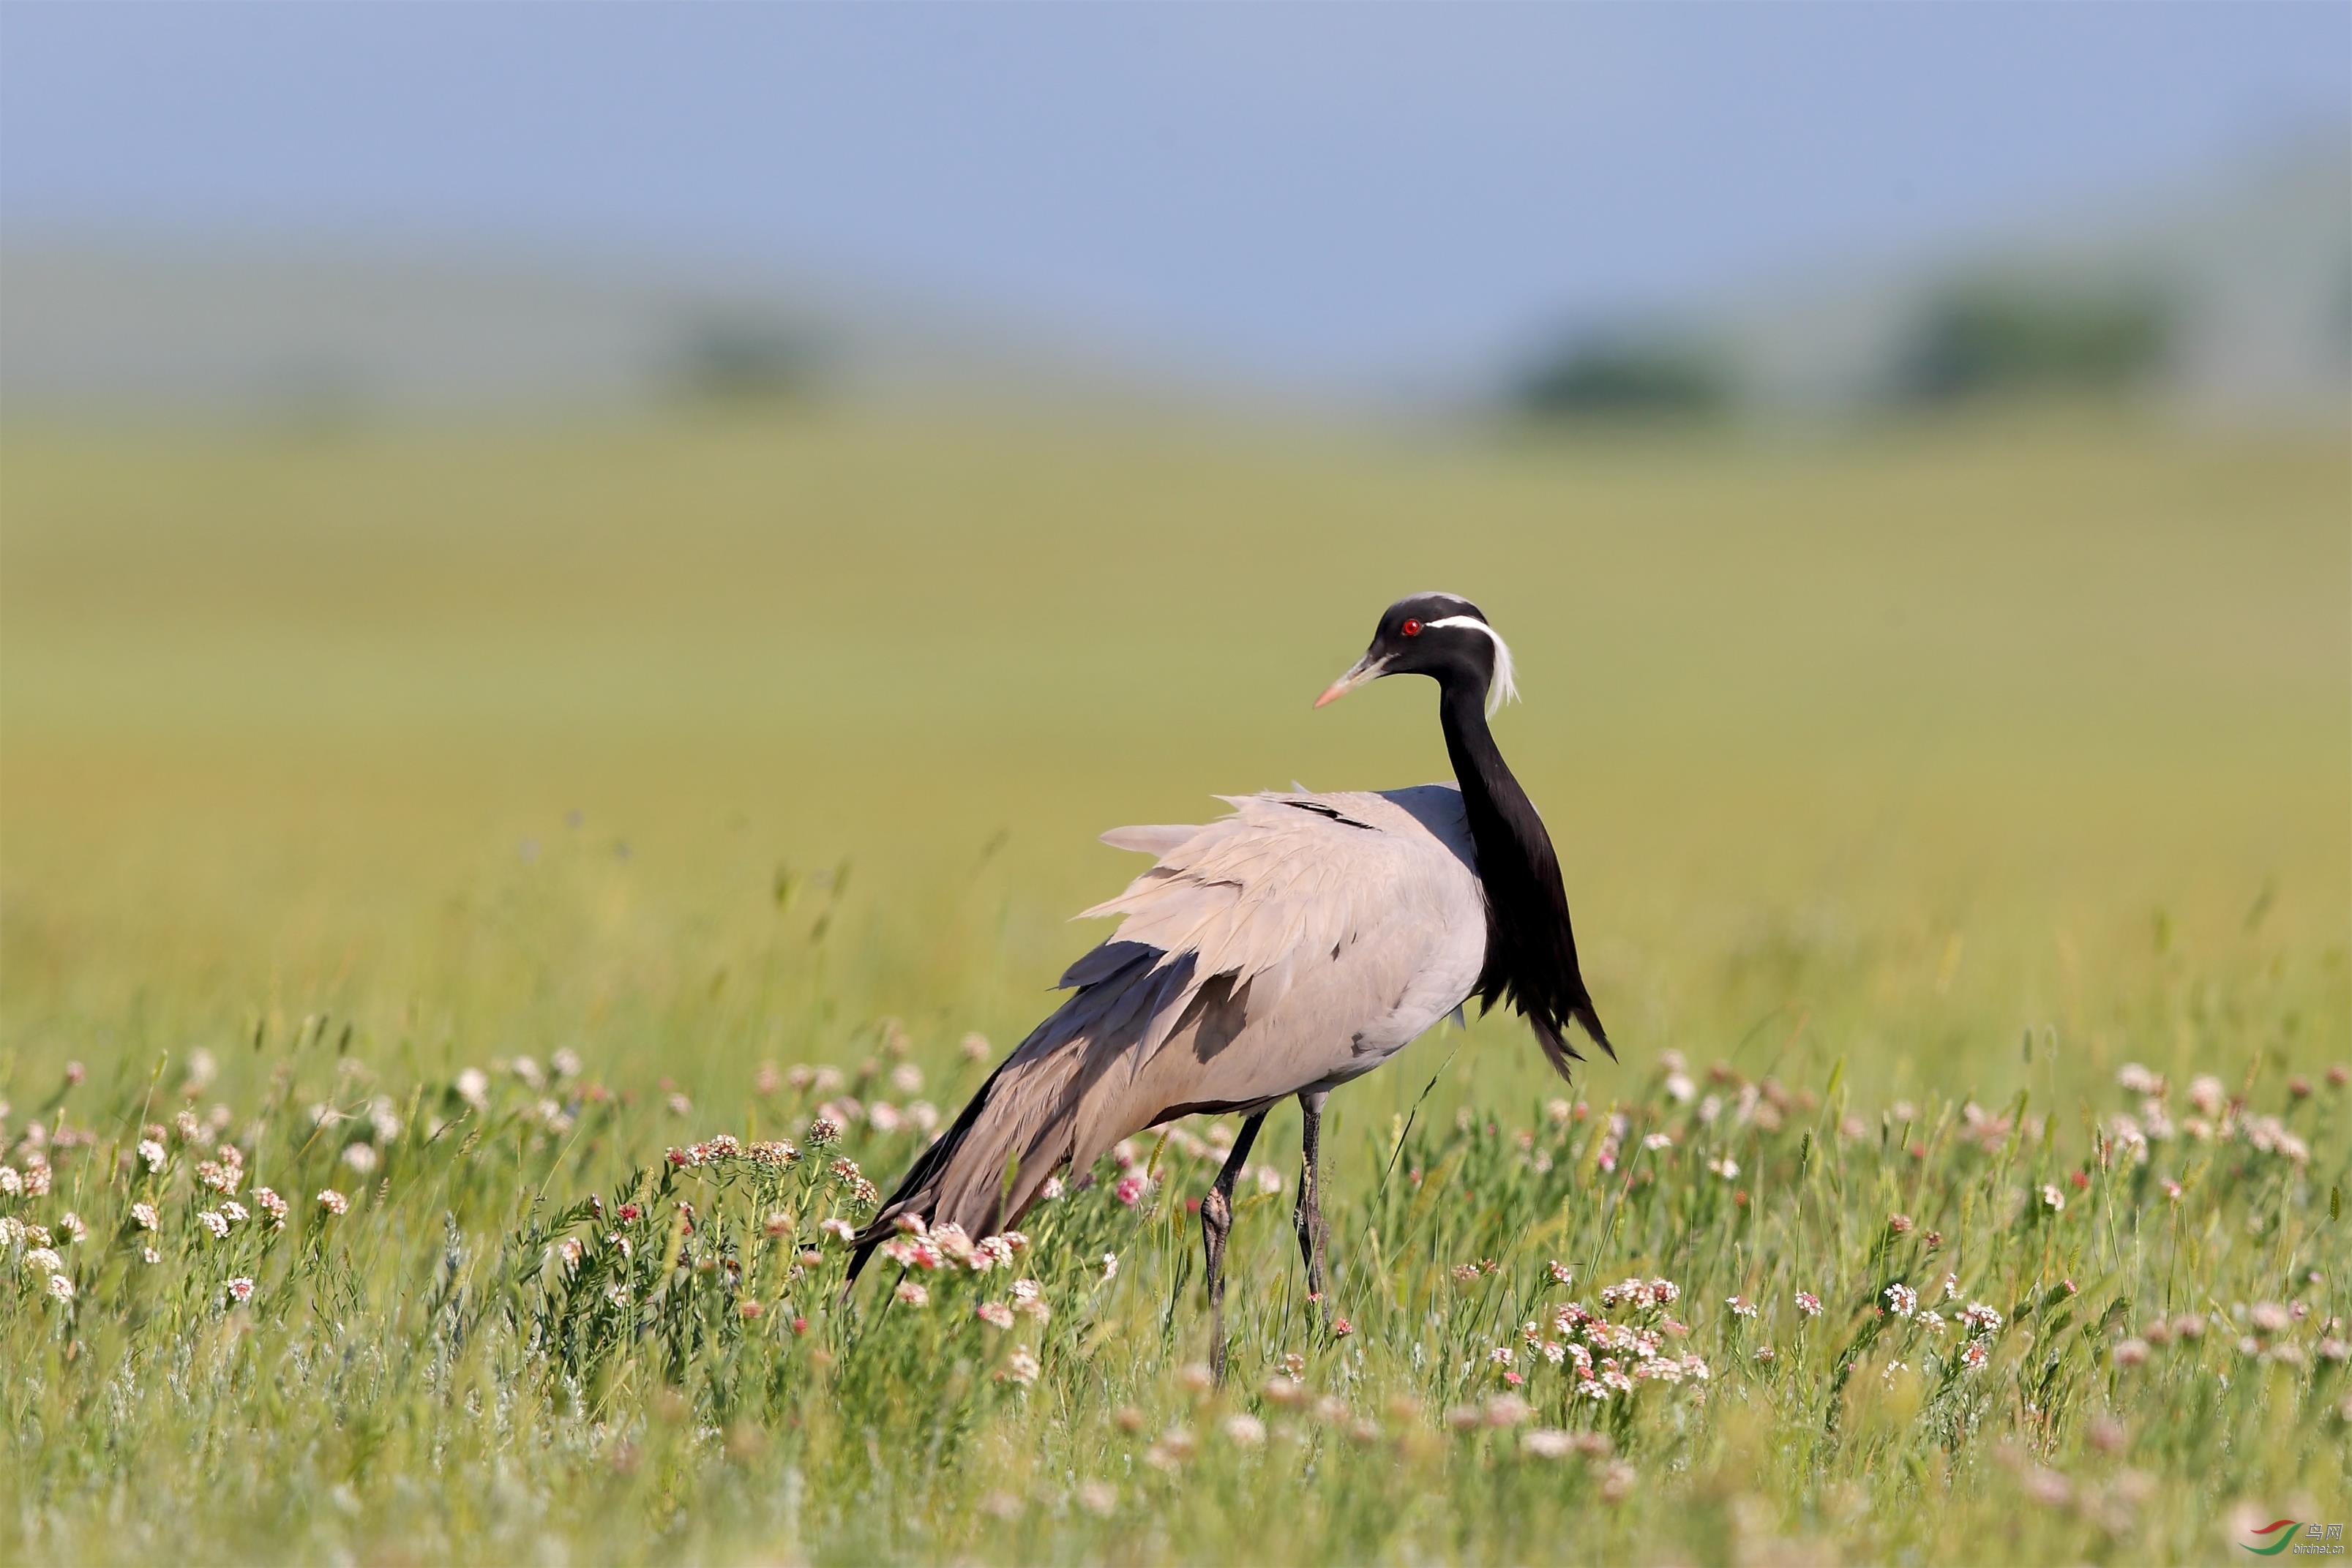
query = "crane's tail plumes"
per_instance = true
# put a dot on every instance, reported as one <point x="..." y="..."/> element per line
<point x="1558" y="1049"/>
<point x="917" y="1190"/>
<point x="1036" y="1113"/>
<point x="973" y="1174"/>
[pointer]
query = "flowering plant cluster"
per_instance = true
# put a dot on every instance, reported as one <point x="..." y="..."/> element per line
<point x="1612" y="1353"/>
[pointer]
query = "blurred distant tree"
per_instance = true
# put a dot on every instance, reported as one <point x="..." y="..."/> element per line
<point x="1626" y="376"/>
<point x="747" y="360"/>
<point x="1986" y="337"/>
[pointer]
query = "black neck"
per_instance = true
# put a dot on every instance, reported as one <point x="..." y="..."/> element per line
<point x="1498" y="809"/>
<point x="1530" y="946"/>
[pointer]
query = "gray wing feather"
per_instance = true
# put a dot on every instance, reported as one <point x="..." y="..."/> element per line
<point x="1155" y="839"/>
<point x="1282" y="883"/>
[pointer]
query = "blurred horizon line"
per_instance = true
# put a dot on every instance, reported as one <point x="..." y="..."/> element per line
<point x="2252" y="266"/>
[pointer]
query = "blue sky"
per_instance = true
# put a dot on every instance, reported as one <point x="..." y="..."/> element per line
<point x="1303" y="192"/>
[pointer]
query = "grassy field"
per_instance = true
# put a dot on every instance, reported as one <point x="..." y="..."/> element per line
<point x="460" y="823"/>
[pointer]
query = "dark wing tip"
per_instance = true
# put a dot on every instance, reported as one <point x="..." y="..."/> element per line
<point x="862" y="1247"/>
<point x="1555" y="1047"/>
<point x="1591" y="1020"/>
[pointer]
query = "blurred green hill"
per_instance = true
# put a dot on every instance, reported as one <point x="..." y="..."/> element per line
<point x="95" y="328"/>
<point x="2232" y="296"/>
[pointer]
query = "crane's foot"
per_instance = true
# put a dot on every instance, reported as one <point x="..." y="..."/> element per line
<point x="1217" y="1224"/>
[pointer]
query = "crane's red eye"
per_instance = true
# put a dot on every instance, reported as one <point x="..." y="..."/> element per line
<point x="1411" y="628"/>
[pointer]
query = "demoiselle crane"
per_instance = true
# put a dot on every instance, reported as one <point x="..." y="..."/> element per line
<point x="1282" y="950"/>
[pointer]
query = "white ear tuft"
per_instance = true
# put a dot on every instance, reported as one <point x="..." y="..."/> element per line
<point x="1502" y="688"/>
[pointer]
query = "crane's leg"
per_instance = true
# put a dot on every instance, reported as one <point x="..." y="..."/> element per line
<point x="1216" y="1223"/>
<point x="1307" y="1216"/>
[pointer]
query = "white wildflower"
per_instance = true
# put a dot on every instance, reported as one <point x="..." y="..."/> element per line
<point x="2207" y="1095"/>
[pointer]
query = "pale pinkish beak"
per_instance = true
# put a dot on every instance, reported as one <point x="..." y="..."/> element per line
<point x="1365" y="669"/>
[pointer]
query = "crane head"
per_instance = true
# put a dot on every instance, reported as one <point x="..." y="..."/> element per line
<point x="1441" y="636"/>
